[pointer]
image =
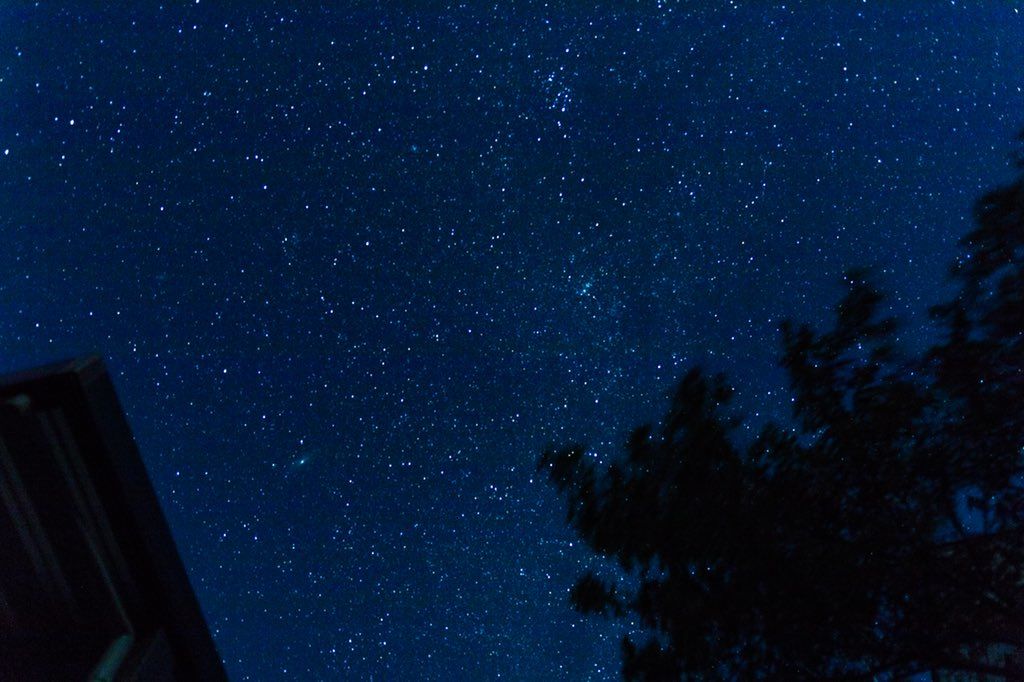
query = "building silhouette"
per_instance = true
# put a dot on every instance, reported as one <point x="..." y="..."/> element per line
<point x="91" y="584"/>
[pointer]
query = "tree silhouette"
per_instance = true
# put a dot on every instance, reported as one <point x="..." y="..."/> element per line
<point x="879" y="536"/>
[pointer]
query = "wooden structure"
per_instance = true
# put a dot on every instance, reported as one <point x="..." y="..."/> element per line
<point x="91" y="584"/>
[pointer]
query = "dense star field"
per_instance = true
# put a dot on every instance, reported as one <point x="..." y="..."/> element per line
<point x="354" y="267"/>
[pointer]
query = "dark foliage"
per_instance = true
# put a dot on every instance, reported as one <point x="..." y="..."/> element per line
<point x="880" y="536"/>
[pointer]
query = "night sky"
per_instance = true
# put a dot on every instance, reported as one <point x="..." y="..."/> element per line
<point x="354" y="267"/>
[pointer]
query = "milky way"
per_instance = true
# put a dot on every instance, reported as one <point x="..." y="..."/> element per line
<point x="353" y="269"/>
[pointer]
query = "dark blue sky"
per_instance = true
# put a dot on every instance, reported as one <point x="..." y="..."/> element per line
<point x="354" y="267"/>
